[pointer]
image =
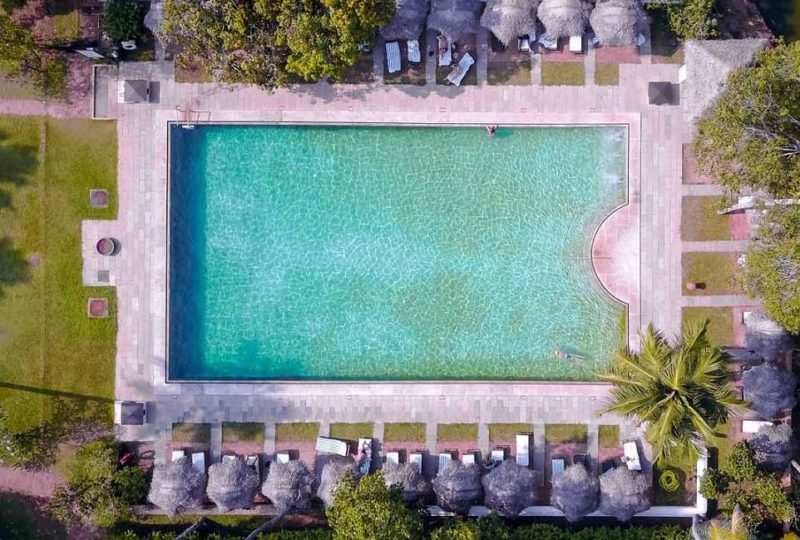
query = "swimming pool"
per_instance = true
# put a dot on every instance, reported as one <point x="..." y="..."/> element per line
<point x="389" y="253"/>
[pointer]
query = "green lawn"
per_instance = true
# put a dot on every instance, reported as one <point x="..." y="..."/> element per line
<point x="565" y="433"/>
<point x="563" y="74"/>
<point x="507" y="432"/>
<point x="191" y="433"/>
<point x="404" y="432"/>
<point x="509" y="73"/>
<point x="234" y="432"/>
<point x="700" y="221"/>
<point x="57" y="349"/>
<point x="457" y="432"/>
<point x="715" y="270"/>
<point x="606" y="74"/>
<point x="296" y="432"/>
<point x="720" y="327"/>
<point x="352" y="432"/>
<point x="608" y="436"/>
<point x="66" y="27"/>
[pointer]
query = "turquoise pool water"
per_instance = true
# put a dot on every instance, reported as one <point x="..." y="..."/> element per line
<point x="389" y="253"/>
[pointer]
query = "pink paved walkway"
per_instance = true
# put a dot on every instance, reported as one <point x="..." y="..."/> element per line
<point x="35" y="484"/>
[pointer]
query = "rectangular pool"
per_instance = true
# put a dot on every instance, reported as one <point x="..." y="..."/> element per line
<point x="389" y="253"/>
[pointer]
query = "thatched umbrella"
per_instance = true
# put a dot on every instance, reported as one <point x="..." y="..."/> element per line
<point x="455" y="18"/>
<point x="575" y="492"/>
<point x="769" y="388"/>
<point x="618" y="23"/>
<point x="509" y="19"/>
<point x="766" y="336"/>
<point x="458" y="487"/>
<point x="289" y="486"/>
<point x="414" y="485"/>
<point x="408" y="20"/>
<point x="509" y="488"/>
<point x="624" y="493"/>
<point x="563" y="18"/>
<point x="232" y="484"/>
<point x="774" y="446"/>
<point x="177" y="487"/>
<point x="332" y="474"/>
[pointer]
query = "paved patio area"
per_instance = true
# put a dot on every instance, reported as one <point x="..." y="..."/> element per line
<point x="637" y="253"/>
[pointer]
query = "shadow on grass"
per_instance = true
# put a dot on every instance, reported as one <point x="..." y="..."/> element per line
<point x="17" y="163"/>
<point x="14" y="267"/>
<point x="21" y="517"/>
<point x="54" y="393"/>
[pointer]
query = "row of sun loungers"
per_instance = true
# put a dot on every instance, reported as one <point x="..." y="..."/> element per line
<point x="393" y="61"/>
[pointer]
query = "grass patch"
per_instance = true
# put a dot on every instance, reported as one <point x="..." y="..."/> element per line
<point x="190" y="69"/>
<point x="509" y="73"/>
<point x="700" y="221"/>
<point x="404" y="432"/>
<point x="352" y="432"/>
<point x="234" y="432"/>
<point x="56" y="348"/>
<point x="457" y="432"/>
<point x="566" y="433"/>
<point x="362" y="72"/>
<point x="608" y="436"/>
<point x="606" y="74"/>
<point x="296" y="432"/>
<point x="66" y="455"/>
<point x="187" y="432"/>
<point x="665" y="45"/>
<point x="563" y="74"/>
<point x="715" y="270"/>
<point x="720" y="326"/>
<point x="507" y="432"/>
<point x="409" y="73"/>
<point x="232" y="525"/>
<point x="11" y="88"/>
<point x="66" y="27"/>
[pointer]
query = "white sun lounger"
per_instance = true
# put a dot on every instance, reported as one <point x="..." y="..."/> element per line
<point x="468" y="458"/>
<point x="414" y="54"/>
<point x="576" y="44"/>
<point x="415" y="459"/>
<point x="177" y="454"/>
<point x="282" y="457"/>
<point x="199" y="462"/>
<point x="523" y="449"/>
<point x="229" y="457"/>
<point x="557" y="466"/>
<point x="548" y="42"/>
<point x="392" y="457"/>
<point x="445" y="51"/>
<point x="457" y="75"/>
<point x="326" y="445"/>
<point x="752" y="426"/>
<point x="498" y="456"/>
<point x="393" y="56"/>
<point x="444" y="459"/>
<point x="631" y="451"/>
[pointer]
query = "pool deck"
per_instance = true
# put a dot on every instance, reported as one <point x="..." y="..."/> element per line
<point x="636" y="253"/>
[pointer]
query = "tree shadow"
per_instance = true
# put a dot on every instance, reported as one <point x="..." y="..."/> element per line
<point x="17" y="161"/>
<point x="14" y="267"/>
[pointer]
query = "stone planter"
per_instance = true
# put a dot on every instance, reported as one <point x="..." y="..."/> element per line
<point x="107" y="247"/>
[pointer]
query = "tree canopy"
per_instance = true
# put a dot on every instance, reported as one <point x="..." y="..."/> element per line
<point x="26" y="59"/>
<point x="773" y="264"/>
<point x="692" y="19"/>
<point x="680" y="390"/>
<point x="270" y="43"/>
<point x="369" y="510"/>
<point x="751" y="138"/>
<point x="121" y="19"/>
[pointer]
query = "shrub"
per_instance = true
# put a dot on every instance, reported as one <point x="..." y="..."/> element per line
<point x="669" y="481"/>
<point x="121" y="19"/>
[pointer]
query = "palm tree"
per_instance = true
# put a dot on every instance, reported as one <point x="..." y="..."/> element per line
<point x="681" y="391"/>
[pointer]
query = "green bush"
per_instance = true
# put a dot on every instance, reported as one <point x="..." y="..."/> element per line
<point x="669" y="481"/>
<point x="130" y="485"/>
<point x="121" y="19"/>
<point x="457" y="530"/>
<point x="741" y="463"/>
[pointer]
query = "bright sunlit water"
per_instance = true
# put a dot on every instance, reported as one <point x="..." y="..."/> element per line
<point x="390" y="253"/>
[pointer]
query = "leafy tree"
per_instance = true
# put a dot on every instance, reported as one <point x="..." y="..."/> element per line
<point x="741" y="483"/>
<point x="457" y="529"/>
<point x="681" y="390"/>
<point x="25" y="59"/>
<point x="751" y="137"/>
<point x="369" y="510"/>
<point x="693" y="19"/>
<point x="121" y="19"/>
<point x="773" y="264"/>
<point x="270" y="43"/>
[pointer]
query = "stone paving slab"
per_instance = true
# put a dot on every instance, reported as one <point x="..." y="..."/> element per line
<point x="716" y="246"/>
<point x="728" y="300"/>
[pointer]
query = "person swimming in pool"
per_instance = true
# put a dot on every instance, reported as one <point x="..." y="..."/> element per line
<point x="491" y="130"/>
<point x="567" y="355"/>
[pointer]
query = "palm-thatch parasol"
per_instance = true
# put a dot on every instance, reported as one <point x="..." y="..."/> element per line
<point x="769" y="388"/>
<point x="575" y="492"/>
<point x="618" y="23"/>
<point x="414" y="485"/>
<point x="509" y="488"/>
<point x="774" y="446"/>
<point x="455" y="18"/>
<point x="509" y="19"/>
<point x="177" y="487"/>
<point x="624" y="493"/>
<point x="289" y="486"/>
<point x="458" y="487"/>
<point x="766" y="336"/>
<point x="563" y="18"/>
<point x="408" y="20"/>
<point x="232" y="484"/>
<point x="332" y="474"/>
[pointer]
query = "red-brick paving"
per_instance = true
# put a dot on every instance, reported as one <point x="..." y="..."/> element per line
<point x="305" y="451"/>
<point x="617" y="55"/>
<point x="739" y="228"/>
<point x="242" y="448"/>
<point x="690" y="173"/>
<point x="564" y="450"/>
<point x="458" y="448"/>
<point x="404" y="447"/>
<point x="188" y="447"/>
<point x="33" y="483"/>
<point x="562" y="54"/>
<point x="607" y="453"/>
